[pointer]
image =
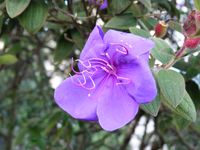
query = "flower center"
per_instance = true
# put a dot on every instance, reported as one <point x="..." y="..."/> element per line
<point x="93" y="65"/>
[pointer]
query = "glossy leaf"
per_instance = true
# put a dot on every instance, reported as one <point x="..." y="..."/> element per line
<point x="146" y="3"/>
<point x="139" y="32"/>
<point x="34" y="17"/>
<point x="16" y="7"/>
<point x="186" y="108"/>
<point x="162" y="51"/>
<point x="138" y="10"/>
<point x="122" y="22"/>
<point x="180" y="122"/>
<point x="149" y="22"/>
<point x="153" y="107"/>
<point x="172" y="86"/>
<point x="117" y="6"/>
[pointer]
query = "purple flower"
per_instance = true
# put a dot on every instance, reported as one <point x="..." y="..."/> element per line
<point x="102" y="3"/>
<point x="114" y="78"/>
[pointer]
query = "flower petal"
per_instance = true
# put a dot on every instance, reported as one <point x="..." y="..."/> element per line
<point x="143" y="86"/>
<point x="94" y="45"/>
<point x="75" y="100"/>
<point x="135" y="44"/>
<point x="115" y="108"/>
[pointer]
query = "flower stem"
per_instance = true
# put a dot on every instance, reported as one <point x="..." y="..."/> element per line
<point x="178" y="55"/>
<point x="170" y="63"/>
<point x="180" y="52"/>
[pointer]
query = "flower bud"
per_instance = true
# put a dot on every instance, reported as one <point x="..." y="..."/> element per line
<point x="192" y="42"/>
<point x="161" y="29"/>
<point x="191" y="26"/>
<point x="197" y="19"/>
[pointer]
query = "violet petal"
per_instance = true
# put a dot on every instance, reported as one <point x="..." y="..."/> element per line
<point x="143" y="87"/>
<point x="74" y="99"/>
<point x="94" y="45"/>
<point x="135" y="44"/>
<point x="115" y="108"/>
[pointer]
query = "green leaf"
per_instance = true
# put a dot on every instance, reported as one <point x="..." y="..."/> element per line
<point x="172" y="86"/>
<point x="33" y="18"/>
<point x="146" y="3"/>
<point x="186" y="108"/>
<point x="139" y="32"/>
<point x="162" y="51"/>
<point x="149" y="22"/>
<point x="138" y="10"/>
<point x="175" y="26"/>
<point x="122" y="22"/>
<point x="16" y="7"/>
<point x="117" y="6"/>
<point x="180" y="122"/>
<point x="153" y="107"/>
<point x="77" y="38"/>
<point x="7" y="59"/>
<point x="197" y="4"/>
<point x="64" y="49"/>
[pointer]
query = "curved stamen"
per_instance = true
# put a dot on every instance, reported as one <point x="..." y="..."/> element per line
<point x="91" y="66"/>
<point x="84" y="80"/>
<point x="124" y="49"/>
<point x="88" y="67"/>
<point x="123" y="79"/>
<point x="89" y="88"/>
<point x="80" y="84"/>
<point x="105" y="69"/>
<point x="83" y="84"/>
<point x="83" y="64"/>
<point x="98" y="60"/>
<point x="100" y="63"/>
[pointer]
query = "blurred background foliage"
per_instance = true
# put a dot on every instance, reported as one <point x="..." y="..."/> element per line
<point x="38" y="38"/>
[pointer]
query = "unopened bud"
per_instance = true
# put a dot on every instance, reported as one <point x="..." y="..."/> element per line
<point x="191" y="26"/>
<point x="197" y="19"/>
<point x="192" y="43"/>
<point x="161" y="29"/>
